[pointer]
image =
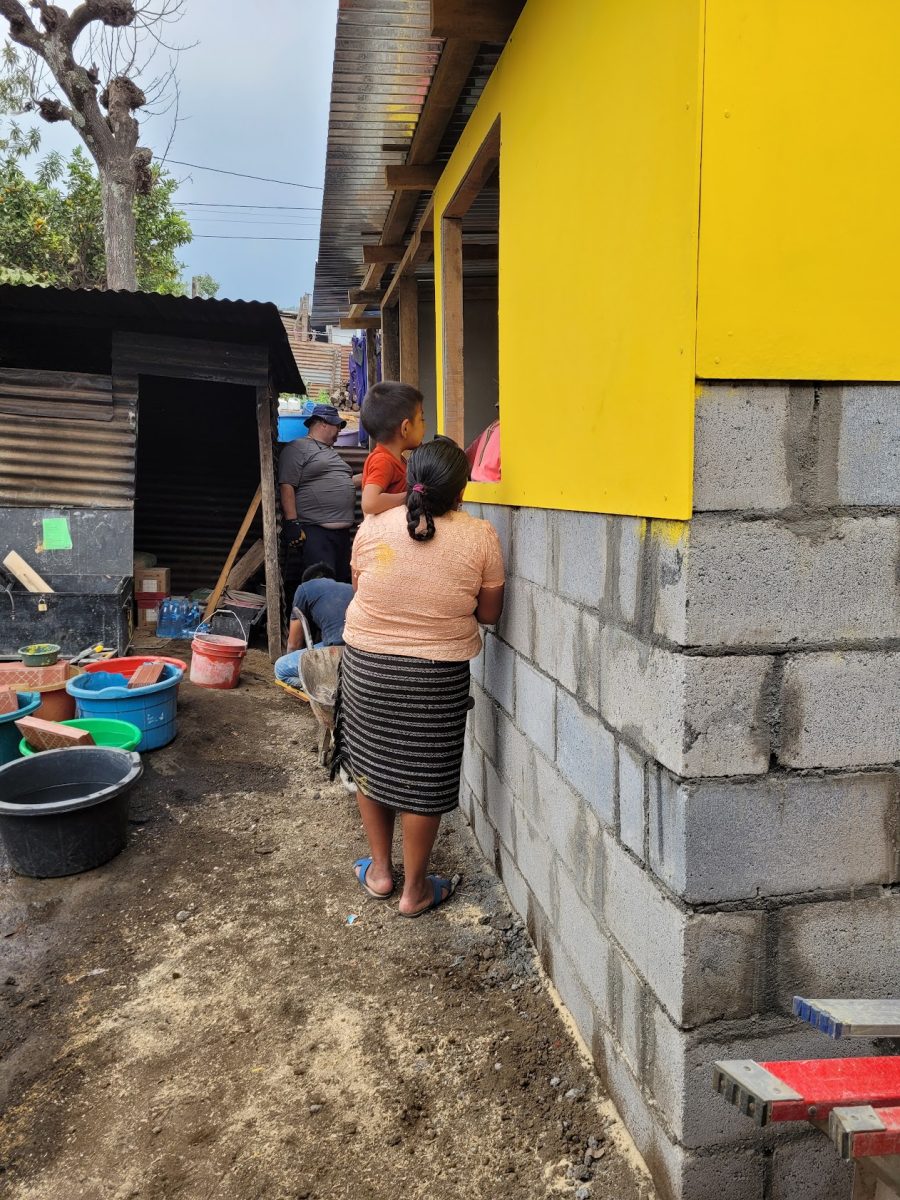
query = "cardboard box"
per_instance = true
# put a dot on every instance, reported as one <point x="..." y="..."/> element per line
<point x="146" y="620"/>
<point x="152" y="579"/>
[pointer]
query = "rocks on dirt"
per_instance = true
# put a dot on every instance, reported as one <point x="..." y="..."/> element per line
<point x="183" y="915"/>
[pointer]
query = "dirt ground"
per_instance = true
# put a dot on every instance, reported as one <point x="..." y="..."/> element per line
<point x="200" y="1018"/>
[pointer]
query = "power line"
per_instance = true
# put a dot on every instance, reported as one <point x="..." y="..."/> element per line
<point x="245" y="237"/>
<point x="240" y="175"/>
<point x="281" y="207"/>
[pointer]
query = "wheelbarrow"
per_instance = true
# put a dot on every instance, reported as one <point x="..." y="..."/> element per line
<point x="319" y="676"/>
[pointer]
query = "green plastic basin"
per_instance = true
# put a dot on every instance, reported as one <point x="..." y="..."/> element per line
<point x="116" y="735"/>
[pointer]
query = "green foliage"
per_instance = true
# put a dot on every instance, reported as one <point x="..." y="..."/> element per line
<point x="15" y="98"/>
<point x="51" y="227"/>
<point x="205" y="286"/>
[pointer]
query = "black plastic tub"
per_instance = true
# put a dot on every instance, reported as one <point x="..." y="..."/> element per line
<point x="66" y="811"/>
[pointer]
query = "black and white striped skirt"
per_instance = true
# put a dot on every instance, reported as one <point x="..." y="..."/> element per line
<point x="400" y="724"/>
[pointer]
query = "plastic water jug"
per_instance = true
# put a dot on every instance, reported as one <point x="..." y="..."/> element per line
<point x="178" y="618"/>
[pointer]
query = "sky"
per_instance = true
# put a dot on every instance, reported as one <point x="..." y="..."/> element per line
<point x="255" y="93"/>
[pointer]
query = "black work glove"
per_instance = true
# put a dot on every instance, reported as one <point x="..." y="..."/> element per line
<point x="292" y="533"/>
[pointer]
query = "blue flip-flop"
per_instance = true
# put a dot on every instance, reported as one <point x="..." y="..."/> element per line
<point x="364" y="864"/>
<point x="438" y="884"/>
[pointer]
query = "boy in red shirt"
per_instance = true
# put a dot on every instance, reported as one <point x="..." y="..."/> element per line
<point x="392" y="414"/>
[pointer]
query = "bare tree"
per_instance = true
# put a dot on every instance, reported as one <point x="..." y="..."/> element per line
<point x="125" y="37"/>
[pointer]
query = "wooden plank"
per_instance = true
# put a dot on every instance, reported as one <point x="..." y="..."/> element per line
<point x="213" y="602"/>
<point x="409" y="331"/>
<point x="247" y="565"/>
<point x="413" y="177"/>
<point x="274" y="607"/>
<point x="70" y="386"/>
<point x="419" y="250"/>
<point x="26" y="575"/>
<point x="390" y="344"/>
<point x="189" y="358"/>
<point x="482" y="167"/>
<point x="452" y="328"/>
<point x="371" y="358"/>
<point x="358" y="296"/>
<point x="382" y="255"/>
<point x="492" y="22"/>
<point x="360" y="323"/>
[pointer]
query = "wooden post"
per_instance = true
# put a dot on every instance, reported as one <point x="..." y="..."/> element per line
<point x="390" y="343"/>
<point x="371" y="359"/>
<point x="452" y="327"/>
<point x="270" y="522"/>
<point x="409" y="330"/>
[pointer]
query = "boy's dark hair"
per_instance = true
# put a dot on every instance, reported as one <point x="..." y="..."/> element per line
<point x="436" y="474"/>
<point x="386" y="406"/>
<point x="318" y="570"/>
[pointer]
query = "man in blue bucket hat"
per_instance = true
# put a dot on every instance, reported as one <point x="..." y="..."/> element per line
<point x="318" y="494"/>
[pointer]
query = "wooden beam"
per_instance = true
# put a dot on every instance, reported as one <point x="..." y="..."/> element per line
<point x="360" y="322"/>
<point x="247" y="565"/>
<point x="409" y="331"/>
<point x="371" y="358"/>
<point x="489" y="22"/>
<point x="412" y="177"/>
<point x="452" y="327"/>
<point x="382" y="255"/>
<point x="358" y="296"/>
<point x="419" y="250"/>
<point x="482" y="167"/>
<point x="390" y="344"/>
<point x="213" y="602"/>
<point x="274" y="601"/>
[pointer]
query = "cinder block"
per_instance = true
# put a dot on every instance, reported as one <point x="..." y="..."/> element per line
<point x="585" y="755"/>
<point x="732" y="582"/>
<point x="536" y="707"/>
<point x="868" y="463"/>
<point x="477" y="665"/>
<point x="572" y="991"/>
<point x="516" y="625"/>
<point x="483" y="830"/>
<point x="514" y="760"/>
<point x="840" y="709"/>
<point x="589" y="660"/>
<point x="627" y="1011"/>
<point x="679" y="1073"/>
<point x="810" y="1169"/>
<point x="500" y="516"/>
<point x="631" y="800"/>
<point x="581" y="552"/>
<point x="533" y="546"/>
<point x="839" y="948"/>
<point x="499" y="671"/>
<point x="473" y="768"/>
<point x="483" y="720"/>
<point x="632" y="532"/>
<point x="584" y="941"/>
<point x="500" y="807"/>
<point x="558" y="649"/>
<point x="701" y="966"/>
<point x="722" y="840"/>
<point x="740" y="457"/>
<point x="698" y="716"/>
<point x="537" y="865"/>
<point x="572" y="828"/>
<point x="514" y="883"/>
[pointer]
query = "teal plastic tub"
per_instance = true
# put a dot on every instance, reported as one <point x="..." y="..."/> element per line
<point x="9" y="735"/>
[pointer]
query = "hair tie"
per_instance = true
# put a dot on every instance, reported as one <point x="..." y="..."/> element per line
<point x="419" y="488"/>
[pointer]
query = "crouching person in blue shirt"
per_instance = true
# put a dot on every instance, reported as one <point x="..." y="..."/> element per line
<point x="323" y="601"/>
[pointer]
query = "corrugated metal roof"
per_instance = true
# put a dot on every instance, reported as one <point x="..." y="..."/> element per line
<point x="384" y="63"/>
<point x="246" y="322"/>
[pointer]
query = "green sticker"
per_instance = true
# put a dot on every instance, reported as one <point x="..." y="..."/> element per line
<point x="56" y="533"/>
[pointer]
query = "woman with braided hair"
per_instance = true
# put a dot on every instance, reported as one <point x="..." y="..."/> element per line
<point x="425" y="575"/>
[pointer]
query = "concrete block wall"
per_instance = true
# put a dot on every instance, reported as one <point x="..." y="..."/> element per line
<point x="683" y="761"/>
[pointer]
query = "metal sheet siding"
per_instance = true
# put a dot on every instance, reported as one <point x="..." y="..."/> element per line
<point x="46" y="461"/>
<point x="321" y="364"/>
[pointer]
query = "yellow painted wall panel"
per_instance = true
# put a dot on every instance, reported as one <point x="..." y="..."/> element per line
<point x="799" y="230"/>
<point x="599" y="175"/>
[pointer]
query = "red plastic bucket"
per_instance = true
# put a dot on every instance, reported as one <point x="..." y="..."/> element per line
<point x="216" y="660"/>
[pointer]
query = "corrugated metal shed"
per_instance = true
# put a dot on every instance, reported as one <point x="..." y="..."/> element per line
<point x="245" y="322"/>
<point x="384" y="62"/>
